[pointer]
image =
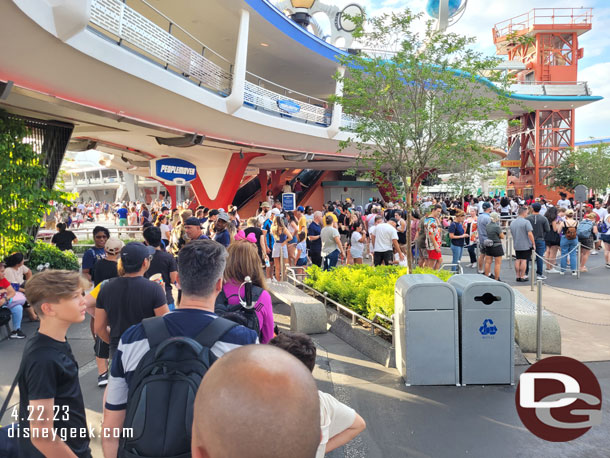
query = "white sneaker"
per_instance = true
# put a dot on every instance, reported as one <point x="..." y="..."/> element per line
<point x="540" y="277"/>
<point x="594" y="252"/>
<point x="473" y="265"/>
<point x="553" y="271"/>
<point x="562" y="273"/>
<point x="574" y="273"/>
<point x="481" y="272"/>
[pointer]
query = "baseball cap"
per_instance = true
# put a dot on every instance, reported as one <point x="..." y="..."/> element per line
<point x="192" y="221"/>
<point x="213" y="212"/>
<point x="301" y="208"/>
<point x="113" y="246"/>
<point x="133" y="255"/>
<point x="266" y="205"/>
<point x="223" y="216"/>
<point x="535" y="206"/>
<point x="275" y="211"/>
<point x="486" y="205"/>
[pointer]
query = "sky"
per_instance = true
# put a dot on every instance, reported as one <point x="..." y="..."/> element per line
<point x="592" y="121"/>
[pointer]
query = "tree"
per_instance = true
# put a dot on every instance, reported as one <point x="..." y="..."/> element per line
<point x="24" y="198"/>
<point x="426" y="108"/>
<point x="587" y="166"/>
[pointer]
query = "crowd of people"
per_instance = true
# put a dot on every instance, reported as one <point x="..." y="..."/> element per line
<point x="196" y="288"/>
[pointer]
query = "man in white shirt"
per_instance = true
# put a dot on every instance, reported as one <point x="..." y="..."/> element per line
<point x="602" y="213"/>
<point x="385" y="241"/>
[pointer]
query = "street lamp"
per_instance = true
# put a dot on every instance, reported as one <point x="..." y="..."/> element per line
<point x="301" y="11"/>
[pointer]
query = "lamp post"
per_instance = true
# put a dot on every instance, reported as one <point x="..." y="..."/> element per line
<point x="301" y="11"/>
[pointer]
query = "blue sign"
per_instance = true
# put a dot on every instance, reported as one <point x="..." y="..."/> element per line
<point x="289" y="201"/>
<point x="488" y="328"/>
<point x="288" y="106"/>
<point x="170" y="169"/>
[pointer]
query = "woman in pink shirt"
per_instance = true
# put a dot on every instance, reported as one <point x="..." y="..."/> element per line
<point x="244" y="262"/>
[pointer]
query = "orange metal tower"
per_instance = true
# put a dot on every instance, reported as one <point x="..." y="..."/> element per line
<point x="546" y="41"/>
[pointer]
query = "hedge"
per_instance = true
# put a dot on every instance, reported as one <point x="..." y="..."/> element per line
<point x="44" y="253"/>
<point x="365" y="289"/>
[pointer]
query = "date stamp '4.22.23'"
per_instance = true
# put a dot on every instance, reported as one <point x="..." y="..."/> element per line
<point x="59" y="414"/>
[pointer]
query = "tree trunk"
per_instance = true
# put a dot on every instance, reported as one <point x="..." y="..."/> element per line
<point x="409" y="202"/>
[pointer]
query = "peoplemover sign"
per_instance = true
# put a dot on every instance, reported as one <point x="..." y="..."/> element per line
<point x="172" y="169"/>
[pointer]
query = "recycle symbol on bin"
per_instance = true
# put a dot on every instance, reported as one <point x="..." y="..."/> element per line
<point x="488" y="328"/>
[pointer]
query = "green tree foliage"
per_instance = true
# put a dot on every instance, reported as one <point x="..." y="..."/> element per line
<point x="587" y="166"/>
<point x="24" y="198"/>
<point x="423" y="107"/>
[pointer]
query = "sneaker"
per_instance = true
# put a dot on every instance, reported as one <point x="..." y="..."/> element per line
<point x="607" y="266"/>
<point x="526" y="278"/>
<point x="492" y="276"/>
<point x="553" y="271"/>
<point x="594" y="252"/>
<point x="102" y="380"/>
<point x="574" y="273"/>
<point x="562" y="273"/>
<point x="481" y="272"/>
<point x="518" y="279"/>
<point x="17" y="334"/>
<point x="540" y="277"/>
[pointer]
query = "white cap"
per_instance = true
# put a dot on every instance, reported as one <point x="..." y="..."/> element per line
<point x="275" y="211"/>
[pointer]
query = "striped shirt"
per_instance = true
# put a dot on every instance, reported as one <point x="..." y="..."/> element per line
<point x="134" y="345"/>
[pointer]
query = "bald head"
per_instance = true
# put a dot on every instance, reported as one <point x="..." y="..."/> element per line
<point x="256" y="401"/>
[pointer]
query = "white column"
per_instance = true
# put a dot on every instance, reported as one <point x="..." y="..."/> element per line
<point x="236" y="100"/>
<point x="335" y="124"/>
<point x="443" y="15"/>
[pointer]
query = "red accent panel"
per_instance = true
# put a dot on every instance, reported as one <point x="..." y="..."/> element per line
<point x="230" y="183"/>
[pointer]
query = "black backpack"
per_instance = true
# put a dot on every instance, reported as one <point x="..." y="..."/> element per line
<point x="243" y="313"/>
<point x="163" y="389"/>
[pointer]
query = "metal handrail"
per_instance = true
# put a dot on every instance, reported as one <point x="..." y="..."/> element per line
<point x="174" y="24"/>
<point x="292" y="276"/>
<point x="286" y="90"/>
<point x="526" y="20"/>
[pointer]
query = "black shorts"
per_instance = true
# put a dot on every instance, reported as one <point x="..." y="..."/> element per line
<point x="587" y="243"/>
<point x="495" y="251"/>
<point x="101" y="348"/>
<point x="523" y="254"/>
<point x="383" y="256"/>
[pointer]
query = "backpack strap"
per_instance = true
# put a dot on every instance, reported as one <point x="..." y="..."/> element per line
<point x="156" y="330"/>
<point x="214" y="331"/>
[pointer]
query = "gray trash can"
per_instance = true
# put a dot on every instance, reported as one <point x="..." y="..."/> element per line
<point x="427" y="331"/>
<point x="487" y="329"/>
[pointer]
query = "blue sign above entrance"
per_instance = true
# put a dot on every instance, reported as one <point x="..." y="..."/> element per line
<point x="172" y="169"/>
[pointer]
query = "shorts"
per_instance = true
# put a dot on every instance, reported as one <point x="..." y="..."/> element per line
<point x="302" y="262"/>
<point x="355" y="253"/>
<point x="101" y="348"/>
<point x="276" y="251"/>
<point x="495" y="251"/>
<point x="587" y="243"/>
<point x="122" y="221"/>
<point x="435" y="255"/>
<point x="293" y="241"/>
<point x="523" y="254"/>
<point x="380" y="257"/>
<point x="605" y="238"/>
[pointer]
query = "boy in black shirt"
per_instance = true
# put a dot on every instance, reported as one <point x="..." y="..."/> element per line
<point x="50" y="394"/>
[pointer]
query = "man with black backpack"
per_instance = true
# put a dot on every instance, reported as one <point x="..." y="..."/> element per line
<point x="165" y="358"/>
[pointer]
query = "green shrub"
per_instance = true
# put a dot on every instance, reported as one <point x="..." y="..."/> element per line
<point x="44" y="253"/>
<point x="365" y="289"/>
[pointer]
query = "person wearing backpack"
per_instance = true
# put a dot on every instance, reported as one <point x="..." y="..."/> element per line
<point x="586" y="232"/>
<point x="568" y="243"/>
<point x="244" y="263"/>
<point x="151" y="367"/>
<point x="603" y="228"/>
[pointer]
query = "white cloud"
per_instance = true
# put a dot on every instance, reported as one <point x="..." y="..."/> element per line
<point x="593" y="120"/>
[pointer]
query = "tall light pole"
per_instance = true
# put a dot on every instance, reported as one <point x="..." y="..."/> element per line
<point x="443" y="15"/>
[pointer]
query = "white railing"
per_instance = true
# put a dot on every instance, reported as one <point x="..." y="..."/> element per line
<point x="296" y="105"/>
<point x="131" y="27"/>
<point x="566" y="88"/>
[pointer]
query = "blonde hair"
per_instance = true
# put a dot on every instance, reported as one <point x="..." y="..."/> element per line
<point x="569" y="212"/>
<point x="592" y="216"/>
<point x="53" y="286"/>
<point x="277" y="227"/>
<point x="244" y="262"/>
<point x="186" y="214"/>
